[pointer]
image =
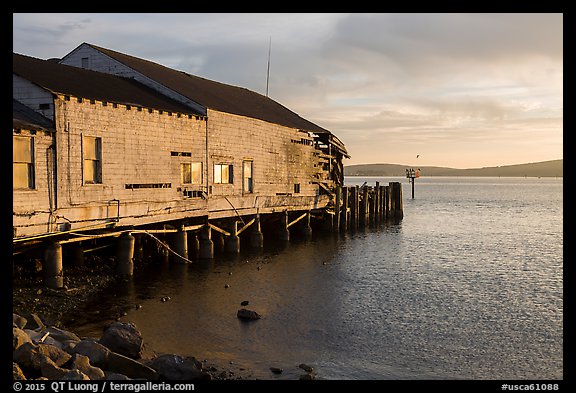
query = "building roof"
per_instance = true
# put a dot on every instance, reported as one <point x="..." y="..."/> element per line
<point x="78" y="82"/>
<point x="28" y="119"/>
<point x="216" y="95"/>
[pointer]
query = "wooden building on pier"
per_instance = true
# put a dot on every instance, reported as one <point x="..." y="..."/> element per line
<point x="110" y="145"/>
<point x="125" y="142"/>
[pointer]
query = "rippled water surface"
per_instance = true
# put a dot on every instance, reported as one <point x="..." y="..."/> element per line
<point x="469" y="285"/>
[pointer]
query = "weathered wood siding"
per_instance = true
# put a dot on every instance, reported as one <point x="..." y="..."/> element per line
<point x="31" y="207"/>
<point x="98" y="61"/>
<point x="280" y="159"/>
<point x="32" y="96"/>
<point x="137" y="146"/>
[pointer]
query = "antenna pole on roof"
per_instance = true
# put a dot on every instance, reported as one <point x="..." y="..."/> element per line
<point x="268" y="71"/>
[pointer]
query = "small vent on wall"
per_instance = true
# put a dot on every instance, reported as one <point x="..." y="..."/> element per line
<point x="148" y="185"/>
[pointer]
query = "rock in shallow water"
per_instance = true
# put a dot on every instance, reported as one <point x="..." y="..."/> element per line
<point x="123" y="338"/>
<point x="178" y="368"/>
<point x="276" y="370"/>
<point x="244" y="313"/>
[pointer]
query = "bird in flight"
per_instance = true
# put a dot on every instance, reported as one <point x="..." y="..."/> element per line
<point x="417" y="155"/>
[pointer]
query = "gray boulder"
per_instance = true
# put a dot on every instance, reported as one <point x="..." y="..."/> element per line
<point x="18" y="321"/>
<point x="33" y="322"/>
<point x="19" y="337"/>
<point x="97" y="353"/>
<point x="82" y="363"/>
<point x="50" y="370"/>
<point x="42" y="337"/>
<point x="118" y="363"/>
<point x="75" y="375"/>
<point x="123" y="338"/>
<point x="30" y="355"/>
<point x="68" y="345"/>
<point x="60" y="335"/>
<point x="17" y="373"/>
<point x="177" y="368"/>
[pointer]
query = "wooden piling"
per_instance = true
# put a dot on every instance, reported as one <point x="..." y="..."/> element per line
<point x="232" y="242"/>
<point x="387" y="207"/>
<point x="283" y="232"/>
<point x="396" y="210"/>
<point x="77" y="255"/>
<point x="125" y="254"/>
<point x="399" y="203"/>
<point x="206" y="244"/>
<point x="256" y="237"/>
<point x="180" y="246"/>
<point x="344" y="214"/>
<point x="193" y="246"/>
<point x="307" y="229"/>
<point x="382" y="203"/>
<point x="372" y="205"/>
<point x="377" y="203"/>
<point x="218" y="240"/>
<point x="354" y="208"/>
<point x="337" y="209"/>
<point x="138" y="247"/>
<point x="52" y="266"/>
<point x="365" y="211"/>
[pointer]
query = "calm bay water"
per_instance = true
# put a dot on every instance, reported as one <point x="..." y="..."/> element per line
<point x="469" y="285"/>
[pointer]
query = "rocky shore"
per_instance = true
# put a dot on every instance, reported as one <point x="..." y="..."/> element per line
<point x="58" y="306"/>
<point x="48" y="352"/>
<point x="43" y="348"/>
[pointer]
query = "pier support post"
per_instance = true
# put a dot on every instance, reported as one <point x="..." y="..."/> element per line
<point x="77" y="255"/>
<point x="283" y="232"/>
<point x="337" y="209"/>
<point x="307" y="230"/>
<point x="180" y="245"/>
<point x="354" y="208"/>
<point x="206" y="244"/>
<point x="232" y="242"/>
<point x="382" y="213"/>
<point x="386" y="202"/>
<point x="365" y="208"/>
<point x="256" y="237"/>
<point x="138" y="247"/>
<point x="328" y="224"/>
<point x="125" y="254"/>
<point x="52" y="267"/>
<point x="218" y="239"/>
<point x="392" y="199"/>
<point x="193" y="246"/>
<point x="377" y="203"/>
<point x="344" y="219"/>
<point x="396" y="200"/>
<point x="399" y="203"/>
<point x="371" y="205"/>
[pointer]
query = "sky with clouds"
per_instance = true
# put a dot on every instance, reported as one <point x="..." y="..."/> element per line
<point x="459" y="90"/>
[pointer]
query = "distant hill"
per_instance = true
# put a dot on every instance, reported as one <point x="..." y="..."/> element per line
<point x="553" y="168"/>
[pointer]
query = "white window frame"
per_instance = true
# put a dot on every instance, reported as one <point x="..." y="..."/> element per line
<point x="223" y="170"/>
<point x="92" y="159"/>
<point x="248" y="181"/>
<point x="195" y="168"/>
<point x="24" y="160"/>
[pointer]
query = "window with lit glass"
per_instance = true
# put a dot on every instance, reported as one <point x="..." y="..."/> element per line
<point x="191" y="172"/>
<point x="248" y="182"/>
<point x="92" y="159"/>
<point x="23" y="163"/>
<point x="223" y="174"/>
